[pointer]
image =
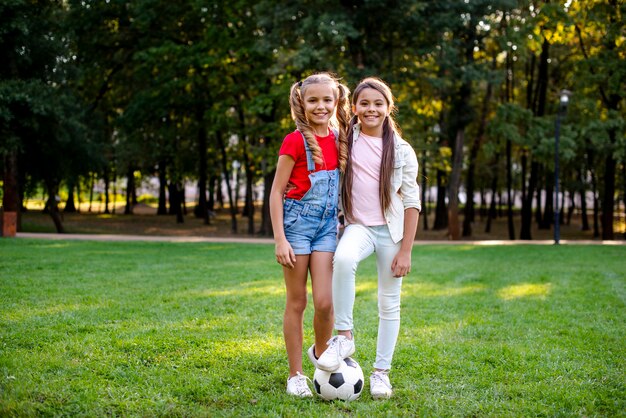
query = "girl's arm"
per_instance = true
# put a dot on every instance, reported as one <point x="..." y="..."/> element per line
<point x="284" y="253"/>
<point x="401" y="265"/>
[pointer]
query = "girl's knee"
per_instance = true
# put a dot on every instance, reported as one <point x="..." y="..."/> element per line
<point x="324" y="308"/>
<point x="389" y="315"/>
<point x="296" y="305"/>
<point x="389" y="309"/>
<point x="344" y="260"/>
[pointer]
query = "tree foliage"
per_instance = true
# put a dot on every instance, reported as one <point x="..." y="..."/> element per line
<point x="192" y="90"/>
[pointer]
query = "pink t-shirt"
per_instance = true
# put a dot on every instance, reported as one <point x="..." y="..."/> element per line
<point x="367" y="152"/>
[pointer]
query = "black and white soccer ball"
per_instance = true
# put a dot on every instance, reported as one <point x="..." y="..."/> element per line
<point x="346" y="383"/>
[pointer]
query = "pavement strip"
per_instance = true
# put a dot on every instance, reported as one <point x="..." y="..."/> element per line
<point x="249" y="240"/>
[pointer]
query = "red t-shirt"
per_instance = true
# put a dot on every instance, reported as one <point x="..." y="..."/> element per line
<point x="293" y="145"/>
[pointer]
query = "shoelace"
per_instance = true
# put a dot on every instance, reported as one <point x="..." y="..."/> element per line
<point x="378" y="379"/>
<point x="301" y="385"/>
<point x="336" y="344"/>
<point x="332" y="343"/>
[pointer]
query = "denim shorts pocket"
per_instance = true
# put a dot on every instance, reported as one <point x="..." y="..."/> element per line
<point x="291" y="213"/>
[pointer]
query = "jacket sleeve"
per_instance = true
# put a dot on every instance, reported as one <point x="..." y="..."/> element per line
<point x="410" y="190"/>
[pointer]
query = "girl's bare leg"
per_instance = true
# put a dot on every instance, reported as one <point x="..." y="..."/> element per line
<point x="321" y="283"/>
<point x="295" y="284"/>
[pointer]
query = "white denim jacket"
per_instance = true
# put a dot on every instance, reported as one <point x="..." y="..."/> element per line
<point x="405" y="190"/>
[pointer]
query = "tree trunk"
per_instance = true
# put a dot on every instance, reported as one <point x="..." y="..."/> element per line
<point x="596" y="206"/>
<point x="182" y="208"/>
<point x="173" y="198"/>
<point x="130" y="187"/>
<point x="70" y="206"/>
<point x="483" y="204"/>
<point x="237" y="187"/>
<point x="454" y="230"/>
<point x="92" y="180"/>
<point x="213" y="180"/>
<point x="249" y="200"/>
<point x="106" y="191"/>
<point x="266" y="220"/>
<point x="527" y="203"/>
<point x="250" y="197"/>
<point x="608" y="197"/>
<point x="114" y="191"/>
<point x="441" y="214"/>
<point x="10" y="197"/>
<point x="491" y="213"/>
<point x="582" y="191"/>
<point x="176" y="196"/>
<point x="53" y="205"/>
<point x="162" y="207"/>
<point x="233" y="209"/>
<point x="202" y="210"/>
<point x="572" y="206"/>
<point x="540" y="110"/>
<point x="219" y="193"/>
<point x="509" y="188"/>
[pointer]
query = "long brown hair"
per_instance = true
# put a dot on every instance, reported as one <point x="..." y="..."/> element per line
<point x="387" y="160"/>
<point x="340" y="120"/>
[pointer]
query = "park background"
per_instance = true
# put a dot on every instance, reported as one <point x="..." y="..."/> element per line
<point x="178" y="109"/>
<point x="153" y="117"/>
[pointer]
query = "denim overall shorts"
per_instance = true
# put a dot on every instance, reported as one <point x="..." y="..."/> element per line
<point x="311" y="223"/>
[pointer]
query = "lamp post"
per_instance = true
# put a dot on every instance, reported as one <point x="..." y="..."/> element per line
<point x="563" y="102"/>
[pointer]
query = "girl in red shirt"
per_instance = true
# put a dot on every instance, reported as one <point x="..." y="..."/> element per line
<point x="304" y="219"/>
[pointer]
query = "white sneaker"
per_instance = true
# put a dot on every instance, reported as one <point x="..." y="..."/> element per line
<point x="311" y="353"/>
<point x="380" y="386"/>
<point x="339" y="347"/>
<point x="297" y="386"/>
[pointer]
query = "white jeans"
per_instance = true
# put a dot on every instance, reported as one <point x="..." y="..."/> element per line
<point x="356" y="244"/>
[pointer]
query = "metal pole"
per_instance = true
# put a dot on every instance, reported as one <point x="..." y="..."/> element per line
<point x="557" y="225"/>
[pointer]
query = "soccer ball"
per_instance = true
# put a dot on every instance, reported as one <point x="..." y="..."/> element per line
<point x="345" y="383"/>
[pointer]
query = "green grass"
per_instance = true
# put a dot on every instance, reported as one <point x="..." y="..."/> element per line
<point x="162" y="329"/>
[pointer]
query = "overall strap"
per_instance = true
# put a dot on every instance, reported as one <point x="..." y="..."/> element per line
<point x="336" y="133"/>
<point x="310" y="164"/>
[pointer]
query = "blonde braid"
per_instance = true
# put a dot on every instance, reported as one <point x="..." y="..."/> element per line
<point x="298" y="115"/>
<point x="343" y="118"/>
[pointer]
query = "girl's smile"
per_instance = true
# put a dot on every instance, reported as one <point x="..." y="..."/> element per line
<point x="319" y="106"/>
<point x="371" y="108"/>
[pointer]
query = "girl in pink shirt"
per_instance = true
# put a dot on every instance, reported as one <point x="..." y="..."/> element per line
<point x="380" y="199"/>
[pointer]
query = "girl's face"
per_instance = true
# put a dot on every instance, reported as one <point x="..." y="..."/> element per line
<point x="319" y="106"/>
<point x="371" y="108"/>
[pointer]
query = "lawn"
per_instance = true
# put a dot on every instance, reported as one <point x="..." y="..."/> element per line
<point x="189" y="329"/>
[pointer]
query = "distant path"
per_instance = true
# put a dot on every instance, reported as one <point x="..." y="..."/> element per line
<point x="248" y="240"/>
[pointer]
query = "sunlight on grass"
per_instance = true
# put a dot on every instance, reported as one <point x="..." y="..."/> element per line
<point x="235" y="348"/>
<point x="58" y="244"/>
<point x="435" y="290"/>
<point x="366" y="286"/>
<point x="25" y="312"/>
<point x="525" y="290"/>
<point x="270" y="290"/>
